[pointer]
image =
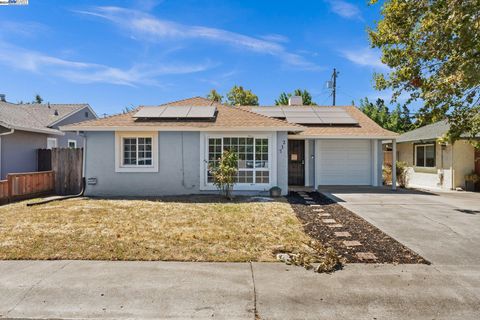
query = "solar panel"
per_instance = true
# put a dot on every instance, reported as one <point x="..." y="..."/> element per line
<point x="202" y="112"/>
<point x="342" y="120"/>
<point x="335" y="116"/>
<point x="305" y="120"/>
<point x="176" y="112"/>
<point x="149" y="112"/>
<point x="308" y="114"/>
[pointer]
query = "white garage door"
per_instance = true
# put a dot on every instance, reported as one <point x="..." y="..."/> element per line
<point x="343" y="162"/>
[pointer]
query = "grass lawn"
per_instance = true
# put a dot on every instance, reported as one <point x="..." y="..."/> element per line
<point x="182" y="229"/>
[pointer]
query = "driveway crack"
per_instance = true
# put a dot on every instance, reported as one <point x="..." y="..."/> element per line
<point x="35" y="285"/>
<point x="441" y="223"/>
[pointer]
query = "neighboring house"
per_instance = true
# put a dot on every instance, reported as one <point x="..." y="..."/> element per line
<point x="434" y="164"/>
<point x="167" y="149"/>
<point x="24" y="128"/>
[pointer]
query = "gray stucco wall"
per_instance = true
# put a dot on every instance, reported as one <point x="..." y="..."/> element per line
<point x="79" y="116"/>
<point x="169" y="180"/>
<point x="19" y="152"/>
<point x="179" y="168"/>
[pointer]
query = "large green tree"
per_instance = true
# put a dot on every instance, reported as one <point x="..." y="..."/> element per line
<point x="433" y="50"/>
<point x="306" y="97"/>
<point x="238" y="96"/>
<point x="397" y="120"/>
<point x="215" y="96"/>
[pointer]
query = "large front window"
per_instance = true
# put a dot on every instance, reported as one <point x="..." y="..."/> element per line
<point x="425" y="155"/>
<point x="253" y="157"/>
<point x="137" y="151"/>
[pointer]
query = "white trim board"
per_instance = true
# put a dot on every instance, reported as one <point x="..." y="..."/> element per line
<point x="119" y="152"/>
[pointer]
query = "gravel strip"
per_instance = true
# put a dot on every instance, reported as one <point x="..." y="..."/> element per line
<point x="385" y="248"/>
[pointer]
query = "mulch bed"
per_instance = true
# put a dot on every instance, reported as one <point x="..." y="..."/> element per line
<point x="385" y="248"/>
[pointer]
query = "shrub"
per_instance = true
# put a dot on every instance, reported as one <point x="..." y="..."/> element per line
<point x="472" y="177"/>
<point x="402" y="176"/>
<point x="225" y="172"/>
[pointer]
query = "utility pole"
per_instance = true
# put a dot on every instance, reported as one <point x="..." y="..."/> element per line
<point x="334" y="88"/>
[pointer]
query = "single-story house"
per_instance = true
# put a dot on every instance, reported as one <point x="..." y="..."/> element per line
<point x="167" y="149"/>
<point x="25" y="128"/>
<point x="434" y="164"/>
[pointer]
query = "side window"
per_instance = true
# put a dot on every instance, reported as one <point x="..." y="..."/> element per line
<point x="425" y="155"/>
<point x="51" y="143"/>
<point x="72" y="144"/>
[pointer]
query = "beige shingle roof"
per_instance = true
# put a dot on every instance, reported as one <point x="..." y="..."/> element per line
<point x="228" y="118"/>
<point x="232" y="118"/>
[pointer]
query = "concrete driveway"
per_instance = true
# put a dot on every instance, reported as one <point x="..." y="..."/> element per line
<point x="443" y="227"/>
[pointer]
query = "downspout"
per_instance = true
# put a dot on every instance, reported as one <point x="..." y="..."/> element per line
<point x="84" y="164"/>
<point x="3" y="134"/>
<point x="84" y="182"/>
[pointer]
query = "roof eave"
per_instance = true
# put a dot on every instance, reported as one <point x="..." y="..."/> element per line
<point x="340" y="136"/>
<point x="189" y="128"/>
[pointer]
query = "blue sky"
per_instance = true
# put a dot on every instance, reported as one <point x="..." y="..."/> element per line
<point x="113" y="54"/>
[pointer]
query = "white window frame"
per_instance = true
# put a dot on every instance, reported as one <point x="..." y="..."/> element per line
<point x="425" y="145"/>
<point x="55" y="140"/>
<point x="272" y="158"/>
<point x="72" y="141"/>
<point x="120" y="167"/>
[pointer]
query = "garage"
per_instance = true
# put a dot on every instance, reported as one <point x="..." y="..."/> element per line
<point x="343" y="162"/>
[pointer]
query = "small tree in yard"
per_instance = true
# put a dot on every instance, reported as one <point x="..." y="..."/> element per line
<point x="224" y="173"/>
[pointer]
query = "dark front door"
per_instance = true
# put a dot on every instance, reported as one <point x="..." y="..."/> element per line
<point x="477" y="167"/>
<point x="296" y="162"/>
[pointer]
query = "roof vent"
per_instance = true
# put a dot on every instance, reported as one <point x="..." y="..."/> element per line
<point x="295" y="101"/>
<point x="3" y="98"/>
<point x="56" y="112"/>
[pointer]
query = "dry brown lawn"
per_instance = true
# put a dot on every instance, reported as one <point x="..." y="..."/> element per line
<point x="182" y="229"/>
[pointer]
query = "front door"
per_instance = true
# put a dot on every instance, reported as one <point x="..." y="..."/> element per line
<point x="296" y="162"/>
<point x="477" y="167"/>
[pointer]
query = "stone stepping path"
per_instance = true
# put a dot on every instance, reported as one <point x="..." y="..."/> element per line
<point x="342" y="234"/>
<point x="329" y="221"/>
<point x="337" y="225"/>
<point x="366" y="256"/>
<point x="332" y="223"/>
<point x="353" y="243"/>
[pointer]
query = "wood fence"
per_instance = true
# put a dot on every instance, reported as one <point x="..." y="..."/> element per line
<point x="387" y="157"/>
<point x="26" y="185"/>
<point x="67" y="164"/>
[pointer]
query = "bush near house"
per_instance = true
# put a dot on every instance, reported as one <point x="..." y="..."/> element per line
<point x="402" y="176"/>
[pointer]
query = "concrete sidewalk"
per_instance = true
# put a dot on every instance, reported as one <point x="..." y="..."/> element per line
<point x="175" y="290"/>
